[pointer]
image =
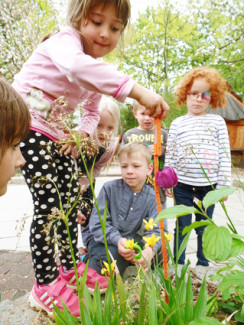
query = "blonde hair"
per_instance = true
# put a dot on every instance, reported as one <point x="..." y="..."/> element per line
<point x="112" y="107"/>
<point x="79" y="10"/>
<point x="14" y="117"/>
<point x="132" y="148"/>
<point x="136" y="106"/>
<point x="218" y="86"/>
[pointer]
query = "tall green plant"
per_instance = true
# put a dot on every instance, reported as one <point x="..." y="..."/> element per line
<point x="220" y="244"/>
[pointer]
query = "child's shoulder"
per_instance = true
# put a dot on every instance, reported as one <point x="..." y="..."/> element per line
<point x="114" y="183"/>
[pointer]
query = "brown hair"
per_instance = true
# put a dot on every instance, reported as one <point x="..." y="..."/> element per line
<point x="136" y="147"/>
<point x="218" y="86"/>
<point x="79" y="10"/>
<point x="14" y="117"/>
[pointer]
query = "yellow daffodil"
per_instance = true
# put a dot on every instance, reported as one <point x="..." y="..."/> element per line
<point x="129" y="244"/>
<point x="168" y="236"/>
<point x="106" y="269"/>
<point x="149" y="224"/>
<point x="150" y="242"/>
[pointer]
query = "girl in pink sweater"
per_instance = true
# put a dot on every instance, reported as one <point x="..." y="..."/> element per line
<point x="64" y="72"/>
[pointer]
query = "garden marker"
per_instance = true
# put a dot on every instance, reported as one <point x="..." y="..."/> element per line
<point x="158" y="152"/>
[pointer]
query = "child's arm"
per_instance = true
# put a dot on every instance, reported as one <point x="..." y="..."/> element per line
<point x="154" y="103"/>
<point x="112" y="233"/>
<point x="97" y="76"/>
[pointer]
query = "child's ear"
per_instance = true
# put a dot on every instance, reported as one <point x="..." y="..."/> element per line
<point x="150" y="169"/>
<point x="134" y="113"/>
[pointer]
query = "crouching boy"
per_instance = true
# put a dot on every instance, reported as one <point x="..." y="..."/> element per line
<point x="130" y="205"/>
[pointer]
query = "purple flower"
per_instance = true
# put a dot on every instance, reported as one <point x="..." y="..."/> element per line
<point x="167" y="178"/>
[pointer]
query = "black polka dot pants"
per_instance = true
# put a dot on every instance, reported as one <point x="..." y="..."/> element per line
<point x="53" y="183"/>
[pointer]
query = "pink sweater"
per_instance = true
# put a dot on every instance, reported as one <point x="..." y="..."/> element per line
<point x="59" y="68"/>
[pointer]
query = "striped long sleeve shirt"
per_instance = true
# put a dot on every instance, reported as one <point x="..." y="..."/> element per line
<point x="197" y="142"/>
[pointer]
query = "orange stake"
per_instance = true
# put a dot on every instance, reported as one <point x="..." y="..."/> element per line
<point x="157" y="153"/>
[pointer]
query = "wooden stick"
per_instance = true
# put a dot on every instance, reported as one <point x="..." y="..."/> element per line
<point x="157" y="153"/>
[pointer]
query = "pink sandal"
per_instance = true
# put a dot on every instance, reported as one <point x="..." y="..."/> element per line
<point x="93" y="278"/>
<point x="45" y="296"/>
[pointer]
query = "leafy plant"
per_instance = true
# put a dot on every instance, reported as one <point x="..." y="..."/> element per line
<point x="222" y="245"/>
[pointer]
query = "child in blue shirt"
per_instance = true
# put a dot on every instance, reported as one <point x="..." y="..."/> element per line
<point x="129" y="201"/>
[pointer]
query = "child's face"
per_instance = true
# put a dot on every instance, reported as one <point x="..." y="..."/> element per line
<point x="11" y="160"/>
<point x="200" y="90"/>
<point x="134" y="170"/>
<point x="144" y="120"/>
<point x="101" y="31"/>
<point x="105" y="126"/>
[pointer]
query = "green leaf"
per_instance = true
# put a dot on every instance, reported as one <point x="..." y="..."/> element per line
<point x="213" y="197"/>
<point x="237" y="248"/>
<point x="216" y="243"/>
<point x="235" y="278"/>
<point x="153" y="307"/>
<point x="194" y="225"/>
<point x="182" y="246"/>
<point x="108" y="305"/>
<point x="63" y="317"/>
<point x="242" y="313"/>
<point x="97" y="306"/>
<point x="205" y="321"/>
<point x="189" y="300"/>
<point x="122" y="297"/>
<point x="141" y="311"/>
<point x="69" y="319"/>
<point x="88" y="300"/>
<point x="201" y="304"/>
<point x="175" y="211"/>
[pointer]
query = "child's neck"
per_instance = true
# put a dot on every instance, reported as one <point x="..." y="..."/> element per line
<point x="140" y="128"/>
<point x="196" y="115"/>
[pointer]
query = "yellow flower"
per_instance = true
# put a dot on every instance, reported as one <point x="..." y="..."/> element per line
<point x="149" y="224"/>
<point x="168" y="236"/>
<point x="150" y="241"/>
<point x="129" y="244"/>
<point x="106" y="269"/>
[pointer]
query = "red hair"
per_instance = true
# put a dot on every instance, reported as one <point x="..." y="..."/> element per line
<point x="217" y="86"/>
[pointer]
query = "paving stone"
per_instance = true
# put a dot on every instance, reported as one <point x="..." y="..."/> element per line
<point x="17" y="282"/>
<point x="12" y="256"/>
<point x="7" y="294"/>
<point x="18" y="294"/>
<point x="21" y="269"/>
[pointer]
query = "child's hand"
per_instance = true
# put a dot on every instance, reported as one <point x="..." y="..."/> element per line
<point x="127" y="254"/>
<point x="146" y="259"/>
<point x="81" y="218"/>
<point x="168" y="192"/>
<point x="153" y="102"/>
<point x="68" y="144"/>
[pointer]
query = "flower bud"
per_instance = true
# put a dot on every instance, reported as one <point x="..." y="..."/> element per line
<point x="167" y="178"/>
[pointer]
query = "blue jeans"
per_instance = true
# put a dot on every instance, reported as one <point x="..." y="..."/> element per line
<point x="185" y="194"/>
